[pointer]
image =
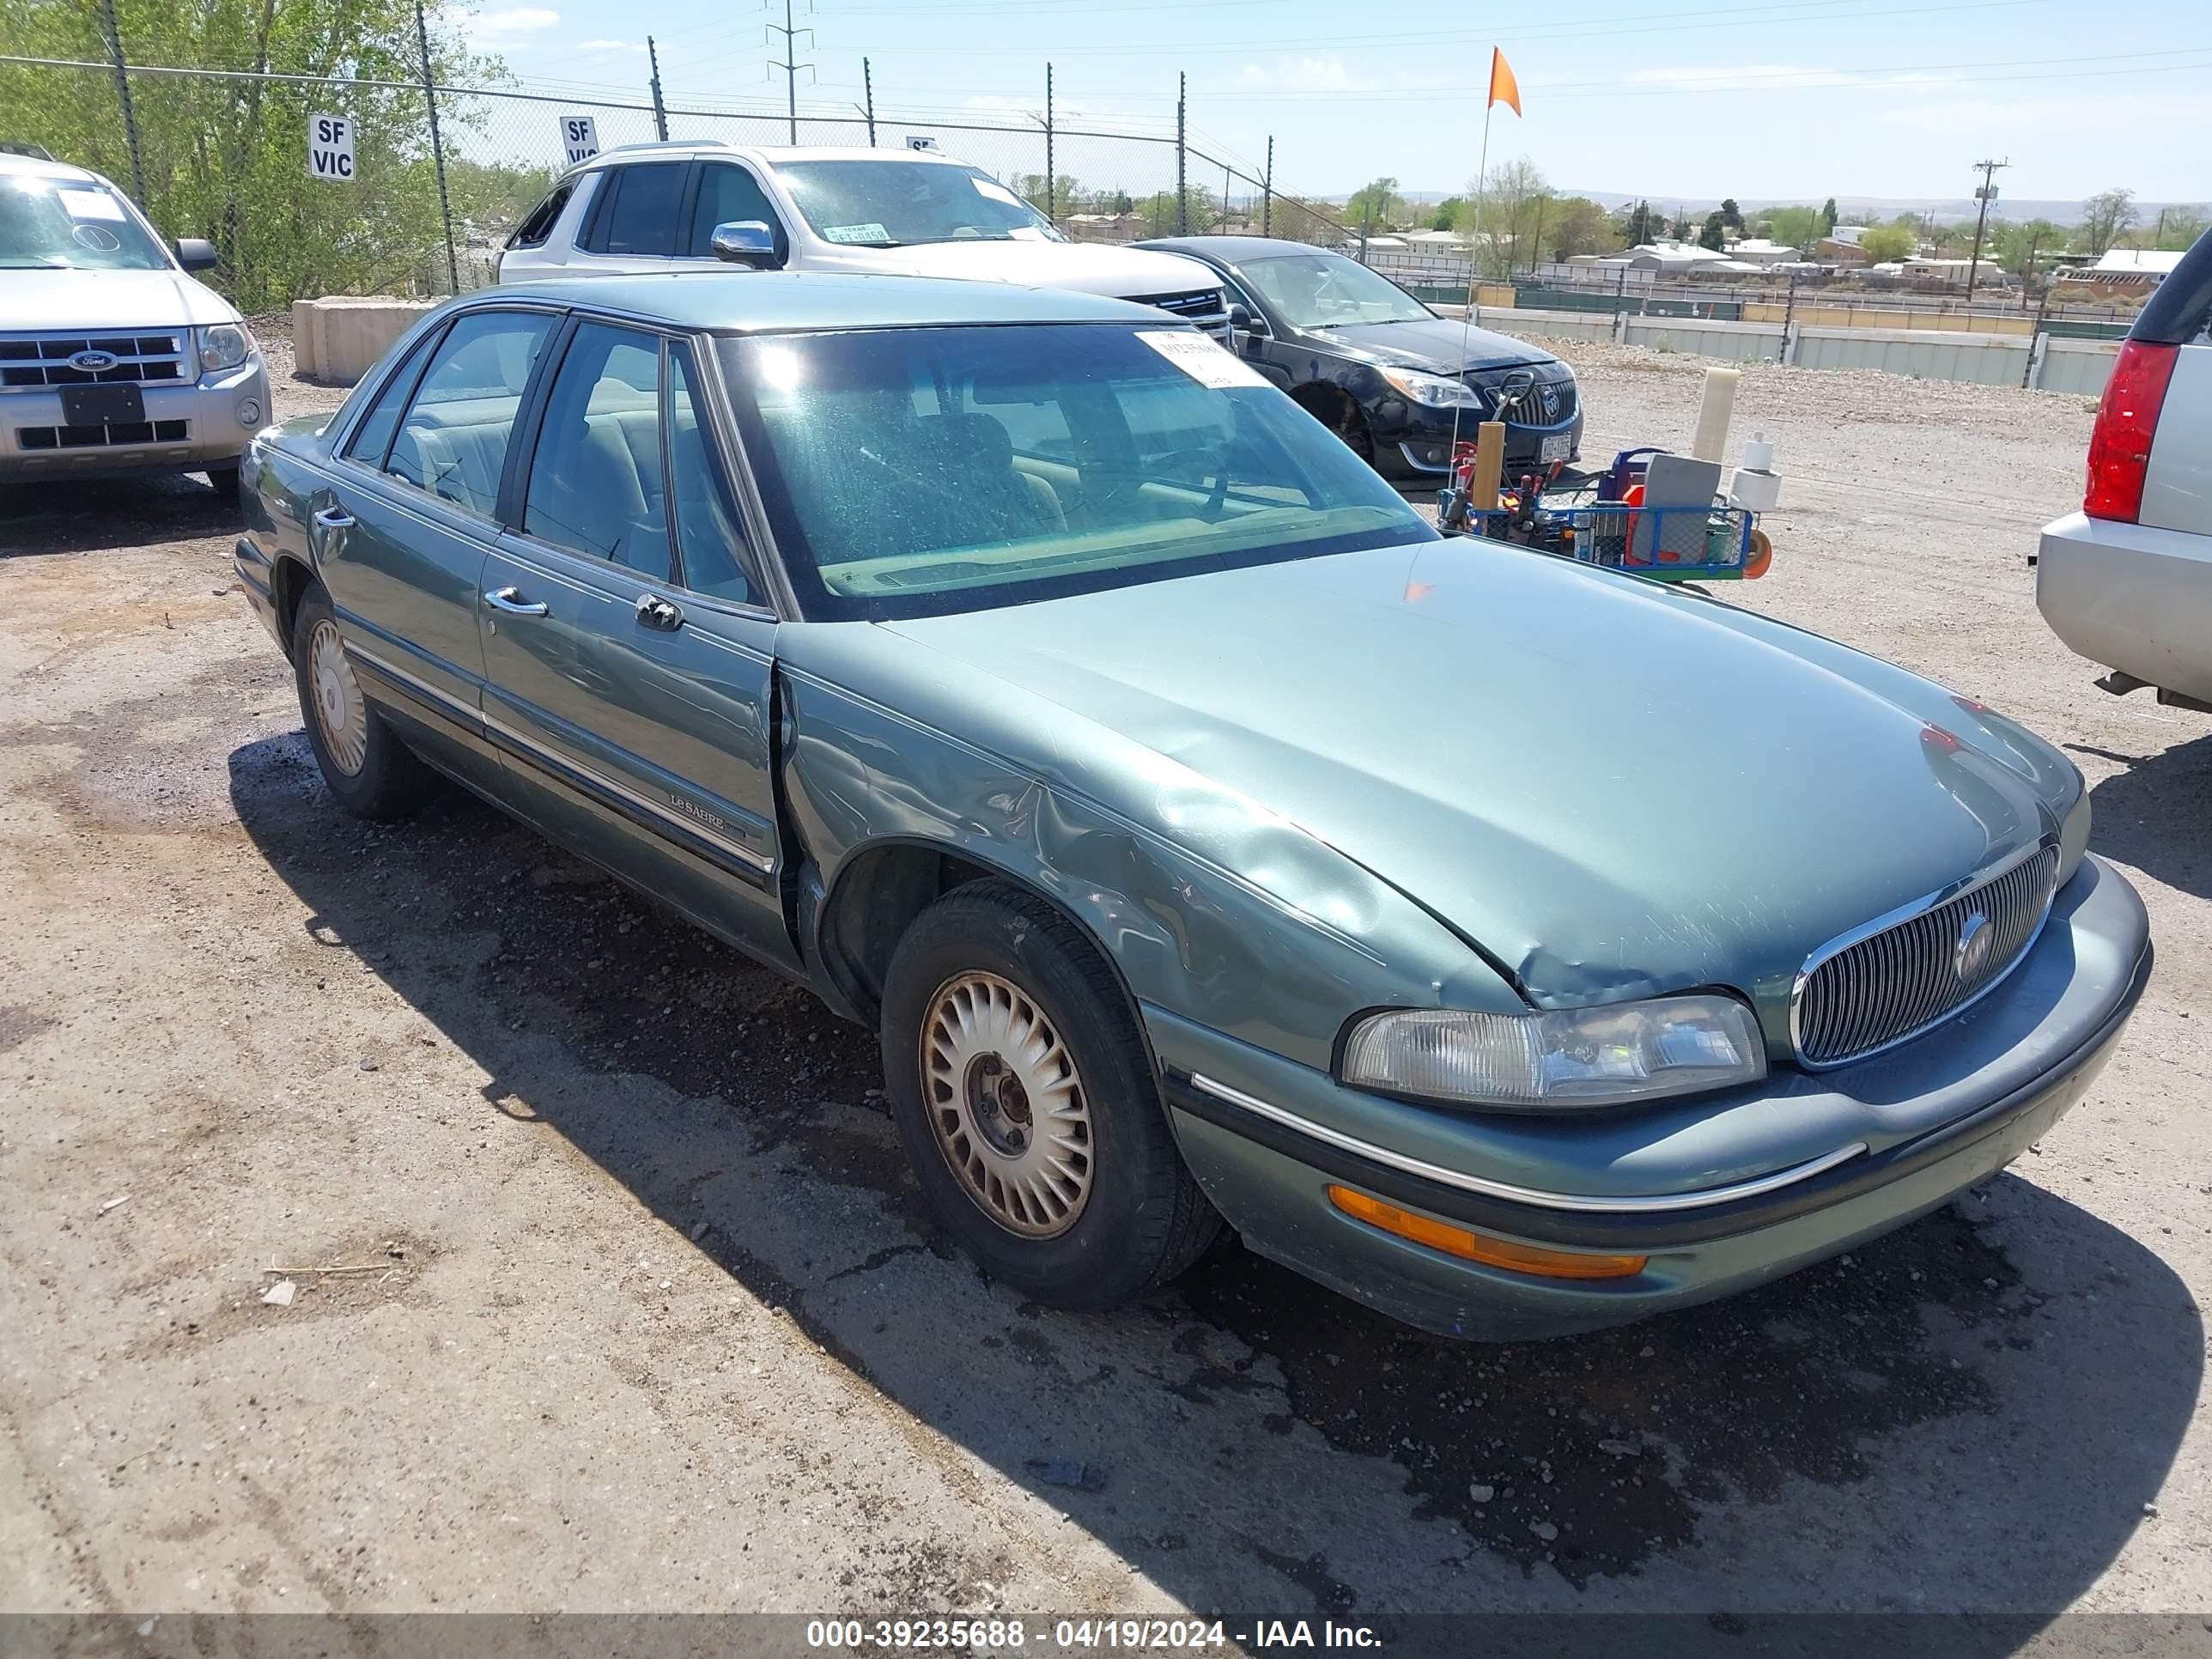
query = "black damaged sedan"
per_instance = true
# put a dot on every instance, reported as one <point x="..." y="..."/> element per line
<point x="1379" y="369"/>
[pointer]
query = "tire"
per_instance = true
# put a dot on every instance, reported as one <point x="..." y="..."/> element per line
<point x="225" y="480"/>
<point x="371" y="773"/>
<point x="1343" y="415"/>
<point x="1025" y="971"/>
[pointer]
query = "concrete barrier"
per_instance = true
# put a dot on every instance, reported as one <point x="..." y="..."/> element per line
<point x="1927" y="354"/>
<point x="2077" y="366"/>
<point x="1563" y="324"/>
<point x="335" y="340"/>
<point x="1741" y="343"/>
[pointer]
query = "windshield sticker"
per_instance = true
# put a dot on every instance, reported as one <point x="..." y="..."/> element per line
<point x="856" y="234"/>
<point x="997" y="191"/>
<point x="1198" y="357"/>
<point x="81" y="205"/>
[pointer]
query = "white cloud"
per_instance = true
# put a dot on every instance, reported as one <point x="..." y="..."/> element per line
<point x="512" y="21"/>
<point x="1310" y="75"/>
<point x="636" y="47"/>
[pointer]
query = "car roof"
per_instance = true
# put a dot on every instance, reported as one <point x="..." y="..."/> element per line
<point x="1230" y="249"/>
<point x="30" y="166"/>
<point x="771" y="302"/>
<point x="769" y="155"/>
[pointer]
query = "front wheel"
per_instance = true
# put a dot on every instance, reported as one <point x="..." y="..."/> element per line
<point x="371" y="772"/>
<point x="1027" y="1106"/>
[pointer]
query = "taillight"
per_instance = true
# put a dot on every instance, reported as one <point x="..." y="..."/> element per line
<point x="2127" y="423"/>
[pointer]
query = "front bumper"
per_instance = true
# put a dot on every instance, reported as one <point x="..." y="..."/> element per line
<point x="1419" y="438"/>
<point x="1886" y="1140"/>
<point x="2130" y="597"/>
<point x="214" y="433"/>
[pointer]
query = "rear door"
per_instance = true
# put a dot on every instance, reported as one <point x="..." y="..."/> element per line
<point x="628" y="658"/>
<point x="401" y="538"/>
<point x="634" y="221"/>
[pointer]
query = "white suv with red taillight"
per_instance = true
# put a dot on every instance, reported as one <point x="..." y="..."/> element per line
<point x="2127" y="581"/>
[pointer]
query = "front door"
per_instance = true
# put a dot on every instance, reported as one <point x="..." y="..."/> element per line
<point x="401" y="541"/>
<point x="629" y="665"/>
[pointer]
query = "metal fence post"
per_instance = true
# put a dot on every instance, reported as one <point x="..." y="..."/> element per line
<point x="660" y="109"/>
<point x="1050" y="211"/>
<point x="1267" y="192"/>
<point x="1182" y="195"/>
<point x="123" y="97"/>
<point x="437" y="152"/>
<point x="1788" y="316"/>
<point x="868" y="91"/>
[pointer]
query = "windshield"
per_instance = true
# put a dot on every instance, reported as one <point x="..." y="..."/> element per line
<point x="64" y="224"/>
<point x="1327" y="290"/>
<point x="912" y="472"/>
<point x="889" y="204"/>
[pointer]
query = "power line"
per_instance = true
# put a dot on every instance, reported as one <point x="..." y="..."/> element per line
<point x="790" y="68"/>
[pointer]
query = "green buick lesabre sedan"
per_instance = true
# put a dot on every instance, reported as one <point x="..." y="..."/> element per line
<point x="1517" y="946"/>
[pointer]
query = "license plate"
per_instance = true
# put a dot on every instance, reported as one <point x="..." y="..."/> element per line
<point x="1559" y="446"/>
<point x="103" y="405"/>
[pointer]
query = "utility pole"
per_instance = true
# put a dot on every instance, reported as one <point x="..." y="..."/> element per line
<point x="868" y="91"/>
<point x="123" y="97"/>
<point x="1984" y="195"/>
<point x="437" y="151"/>
<point x="1267" y="192"/>
<point x="1182" y="199"/>
<point x="789" y="68"/>
<point x="1051" y="180"/>
<point x="659" y="110"/>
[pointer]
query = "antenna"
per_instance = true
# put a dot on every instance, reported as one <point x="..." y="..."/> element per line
<point x="790" y="68"/>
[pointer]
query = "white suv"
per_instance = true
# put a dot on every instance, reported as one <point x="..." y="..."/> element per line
<point x="113" y="360"/>
<point x="656" y="207"/>
<point x="2127" y="581"/>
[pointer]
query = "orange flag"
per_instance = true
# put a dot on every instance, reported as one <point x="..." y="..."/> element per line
<point x="1504" y="88"/>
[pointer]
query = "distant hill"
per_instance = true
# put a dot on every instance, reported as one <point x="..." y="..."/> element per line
<point x="1849" y="210"/>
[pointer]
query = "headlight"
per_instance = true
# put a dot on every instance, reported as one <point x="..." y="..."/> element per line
<point x="1615" y="1054"/>
<point x="1432" y="390"/>
<point x="224" y="346"/>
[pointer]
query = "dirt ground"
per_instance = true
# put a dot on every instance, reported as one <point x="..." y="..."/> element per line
<point x="612" y="1293"/>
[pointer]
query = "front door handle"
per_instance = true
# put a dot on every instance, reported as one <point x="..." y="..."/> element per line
<point x="334" y="518"/>
<point x="656" y="612"/>
<point x="510" y="600"/>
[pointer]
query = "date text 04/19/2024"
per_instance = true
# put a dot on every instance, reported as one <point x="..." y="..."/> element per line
<point x="1113" y="1634"/>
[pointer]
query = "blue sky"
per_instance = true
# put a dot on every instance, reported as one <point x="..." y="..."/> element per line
<point x="1793" y="99"/>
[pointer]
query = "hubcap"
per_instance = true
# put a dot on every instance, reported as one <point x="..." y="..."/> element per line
<point x="338" y="710"/>
<point x="1007" y="1105"/>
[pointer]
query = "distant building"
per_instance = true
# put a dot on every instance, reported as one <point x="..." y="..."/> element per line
<point x="1757" y="251"/>
<point x="2123" y="271"/>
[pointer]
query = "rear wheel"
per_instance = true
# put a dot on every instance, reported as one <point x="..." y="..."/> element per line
<point x="372" y="773"/>
<point x="1339" y="411"/>
<point x="1026" y="1103"/>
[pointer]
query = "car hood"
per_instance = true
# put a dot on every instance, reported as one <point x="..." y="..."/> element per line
<point x="1433" y="344"/>
<point x="1611" y="788"/>
<point x="49" y="300"/>
<point x="1084" y="267"/>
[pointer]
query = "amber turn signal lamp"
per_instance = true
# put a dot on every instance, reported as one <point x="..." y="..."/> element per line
<point x="1480" y="1247"/>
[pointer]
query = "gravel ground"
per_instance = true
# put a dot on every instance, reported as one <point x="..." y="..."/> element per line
<point x="641" y="1312"/>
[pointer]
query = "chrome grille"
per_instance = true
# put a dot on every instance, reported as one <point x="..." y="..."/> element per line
<point x="1864" y="994"/>
<point x="155" y="358"/>
<point x="1541" y="403"/>
<point x="1203" y="305"/>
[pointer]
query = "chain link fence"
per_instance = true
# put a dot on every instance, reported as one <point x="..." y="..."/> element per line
<point x="441" y="175"/>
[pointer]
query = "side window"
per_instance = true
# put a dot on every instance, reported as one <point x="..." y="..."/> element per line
<point x="706" y="522"/>
<point x="728" y="195"/>
<point x="638" y="215"/>
<point x="374" y="435"/>
<point x="596" y="483"/>
<point x="453" y="441"/>
<point x="534" y="231"/>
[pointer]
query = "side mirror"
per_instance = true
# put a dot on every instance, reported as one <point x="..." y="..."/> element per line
<point x="1242" y="320"/>
<point x="746" y="242"/>
<point x="196" y="253"/>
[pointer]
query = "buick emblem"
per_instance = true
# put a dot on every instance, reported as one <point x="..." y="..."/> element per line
<point x="92" y="363"/>
<point x="1972" y="952"/>
<point x="1548" y="397"/>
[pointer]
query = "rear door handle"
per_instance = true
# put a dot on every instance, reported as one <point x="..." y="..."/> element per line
<point x="510" y="600"/>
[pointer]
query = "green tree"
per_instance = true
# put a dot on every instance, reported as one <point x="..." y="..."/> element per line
<point x="1575" y="225"/>
<point x="1882" y="243"/>
<point x="227" y="159"/>
<point x="1731" y="214"/>
<point x="2179" y="227"/>
<point x="2017" y="247"/>
<point x="1448" y="213"/>
<point x="1377" y="205"/>
<point x="1795" y="226"/>
<point x="1828" y="215"/>
<point x="1714" y="235"/>
<point x="1505" y="218"/>
<point x="1637" y="225"/>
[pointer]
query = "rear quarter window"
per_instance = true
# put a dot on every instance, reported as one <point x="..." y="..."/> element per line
<point x="534" y="231"/>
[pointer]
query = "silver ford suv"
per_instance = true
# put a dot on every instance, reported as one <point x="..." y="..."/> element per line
<point x="2127" y="581"/>
<point x="113" y="360"/>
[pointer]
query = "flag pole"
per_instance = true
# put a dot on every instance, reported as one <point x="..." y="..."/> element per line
<point x="1467" y="311"/>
